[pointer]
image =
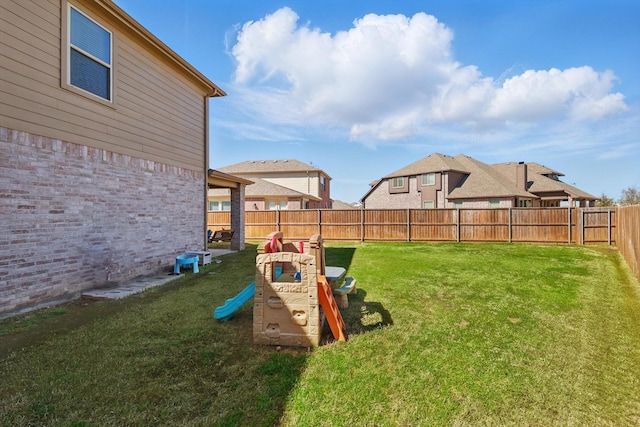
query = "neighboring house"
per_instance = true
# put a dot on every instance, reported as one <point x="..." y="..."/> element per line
<point x="340" y="205"/>
<point x="441" y="181"/>
<point x="235" y="188"/>
<point x="278" y="184"/>
<point x="103" y="151"/>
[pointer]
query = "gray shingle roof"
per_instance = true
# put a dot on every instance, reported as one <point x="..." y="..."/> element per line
<point x="539" y="181"/>
<point x="435" y="162"/>
<point x="339" y="204"/>
<point x="485" y="181"/>
<point x="263" y="188"/>
<point x="270" y="166"/>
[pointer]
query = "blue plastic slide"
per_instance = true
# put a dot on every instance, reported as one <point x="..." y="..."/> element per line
<point x="224" y="312"/>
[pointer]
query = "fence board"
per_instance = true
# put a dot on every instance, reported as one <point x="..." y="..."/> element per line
<point x="433" y="225"/>
<point x="541" y="225"/>
<point x="340" y="225"/>
<point x="218" y="220"/>
<point x="598" y="226"/>
<point x="484" y="225"/>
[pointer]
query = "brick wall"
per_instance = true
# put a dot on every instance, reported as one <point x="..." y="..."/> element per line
<point x="383" y="198"/>
<point x="74" y="217"/>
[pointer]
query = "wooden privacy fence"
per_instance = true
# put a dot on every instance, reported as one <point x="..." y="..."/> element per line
<point x="628" y="241"/>
<point x="619" y="226"/>
<point x="526" y="225"/>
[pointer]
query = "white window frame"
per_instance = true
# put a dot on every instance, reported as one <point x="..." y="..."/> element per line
<point x="323" y="184"/>
<point x="69" y="46"/>
<point x="277" y="204"/>
<point x="219" y="205"/>
<point x="429" y="179"/>
<point x="396" y="180"/>
<point x="428" y="204"/>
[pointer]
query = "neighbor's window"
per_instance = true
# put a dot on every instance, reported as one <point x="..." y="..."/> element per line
<point x="398" y="182"/>
<point x="277" y="205"/>
<point x="429" y="179"/>
<point x="219" y="206"/>
<point x="494" y="203"/>
<point x="457" y="204"/>
<point x="323" y="184"/>
<point x="428" y="204"/>
<point x="89" y="55"/>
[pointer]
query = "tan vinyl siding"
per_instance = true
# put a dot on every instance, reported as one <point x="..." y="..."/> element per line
<point x="158" y="114"/>
<point x="301" y="182"/>
<point x="314" y="185"/>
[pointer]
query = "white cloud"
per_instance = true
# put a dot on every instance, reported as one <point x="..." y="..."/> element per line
<point x="390" y="77"/>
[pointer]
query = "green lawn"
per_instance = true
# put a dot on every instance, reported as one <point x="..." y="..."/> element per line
<point x="439" y="334"/>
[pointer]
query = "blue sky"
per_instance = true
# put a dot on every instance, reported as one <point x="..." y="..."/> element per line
<point x="361" y="88"/>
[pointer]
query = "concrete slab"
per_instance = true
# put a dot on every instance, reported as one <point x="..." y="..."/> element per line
<point x="131" y="287"/>
<point x="139" y="284"/>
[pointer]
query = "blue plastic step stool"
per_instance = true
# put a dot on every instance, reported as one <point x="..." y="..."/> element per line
<point x="186" y="259"/>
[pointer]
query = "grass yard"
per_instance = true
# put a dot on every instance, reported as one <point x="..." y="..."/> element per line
<point x="440" y="334"/>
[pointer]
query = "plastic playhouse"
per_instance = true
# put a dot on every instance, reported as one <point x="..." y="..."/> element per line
<point x="293" y="294"/>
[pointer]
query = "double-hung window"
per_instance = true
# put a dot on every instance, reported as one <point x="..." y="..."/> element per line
<point x="397" y="182"/>
<point x="277" y="205"/>
<point x="429" y="179"/>
<point x="219" y="206"/>
<point x="89" y="55"/>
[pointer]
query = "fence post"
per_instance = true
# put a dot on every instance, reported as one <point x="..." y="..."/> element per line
<point x="609" y="227"/>
<point x="569" y="224"/>
<point x="277" y="219"/>
<point x="458" y="225"/>
<point x="510" y="226"/>
<point x="362" y="224"/>
<point x="581" y="226"/>
<point x="408" y="224"/>
<point x="319" y="222"/>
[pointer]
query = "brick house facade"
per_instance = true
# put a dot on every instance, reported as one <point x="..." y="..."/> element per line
<point x="98" y="183"/>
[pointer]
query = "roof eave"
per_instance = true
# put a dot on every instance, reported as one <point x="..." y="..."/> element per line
<point x="212" y="90"/>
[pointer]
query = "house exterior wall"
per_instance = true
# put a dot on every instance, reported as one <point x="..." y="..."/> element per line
<point x="298" y="181"/>
<point x="254" y="204"/>
<point x="431" y="192"/>
<point x="93" y="193"/>
<point x="301" y="182"/>
<point x="482" y="203"/>
<point x="156" y="114"/>
<point x="324" y="194"/>
<point x="452" y="179"/>
<point x="261" y="204"/>
<point x="74" y="217"/>
<point x="382" y="198"/>
<point x="399" y="189"/>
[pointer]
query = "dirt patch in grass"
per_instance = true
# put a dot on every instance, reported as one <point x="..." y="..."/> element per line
<point x="40" y="325"/>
